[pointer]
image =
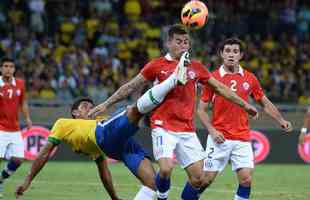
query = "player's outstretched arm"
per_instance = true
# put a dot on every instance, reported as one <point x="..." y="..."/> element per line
<point x="272" y="111"/>
<point x="217" y="136"/>
<point x="36" y="167"/>
<point x="224" y="91"/>
<point x="123" y="92"/>
<point x="105" y="177"/>
<point x="304" y="129"/>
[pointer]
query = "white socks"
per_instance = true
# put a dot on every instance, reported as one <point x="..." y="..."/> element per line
<point x="239" y="198"/>
<point x="145" y="193"/>
<point x="154" y="96"/>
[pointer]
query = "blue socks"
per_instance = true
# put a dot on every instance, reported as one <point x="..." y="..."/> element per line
<point x="163" y="186"/>
<point x="190" y="193"/>
<point x="11" y="167"/>
<point x="243" y="193"/>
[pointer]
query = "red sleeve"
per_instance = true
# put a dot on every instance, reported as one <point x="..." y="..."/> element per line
<point x="149" y="71"/>
<point x="204" y="74"/>
<point x="257" y="91"/>
<point x="207" y="94"/>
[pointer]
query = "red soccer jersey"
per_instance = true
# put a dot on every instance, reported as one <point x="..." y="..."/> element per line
<point x="11" y="98"/>
<point x="176" y="113"/>
<point x="229" y="118"/>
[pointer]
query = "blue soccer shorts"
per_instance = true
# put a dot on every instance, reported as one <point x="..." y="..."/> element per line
<point x="114" y="137"/>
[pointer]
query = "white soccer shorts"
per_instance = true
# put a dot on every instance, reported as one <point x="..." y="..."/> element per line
<point x="239" y="153"/>
<point x="185" y="145"/>
<point x="11" y="145"/>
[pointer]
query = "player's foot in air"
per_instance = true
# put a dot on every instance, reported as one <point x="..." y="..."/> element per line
<point x="1" y="189"/>
<point x="181" y="70"/>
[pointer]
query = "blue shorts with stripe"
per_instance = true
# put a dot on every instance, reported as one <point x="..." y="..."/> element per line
<point x="114" y="137"/>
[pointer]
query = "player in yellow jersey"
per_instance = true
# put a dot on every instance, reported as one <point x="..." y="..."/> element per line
<point x="112" y="137"/>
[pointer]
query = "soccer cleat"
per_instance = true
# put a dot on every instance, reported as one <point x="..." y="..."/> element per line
<point x="181" y="70"/>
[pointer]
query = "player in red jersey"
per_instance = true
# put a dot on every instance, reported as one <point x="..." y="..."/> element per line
<point x="229" y="137"/>
<point x="12" y="99"/>
<point x="172" y="122"/>
<point x="304" y="129"/>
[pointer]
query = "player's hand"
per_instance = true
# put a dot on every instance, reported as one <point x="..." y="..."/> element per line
<point x="22" y="188"/>
<point x="29" y="123"/>
<point x="301" y="138"/>
<point x="96" y="111"/>
<point x="251" y="110"/>
<point x="286" y="126"/>
<point x="217" y="136"/>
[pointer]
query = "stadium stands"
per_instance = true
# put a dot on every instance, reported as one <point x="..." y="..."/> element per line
<point x="66" y="49"/>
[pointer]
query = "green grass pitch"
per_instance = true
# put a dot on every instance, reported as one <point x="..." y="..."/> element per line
<point x="79" y="181"/>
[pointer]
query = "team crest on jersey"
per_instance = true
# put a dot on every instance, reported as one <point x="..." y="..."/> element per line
<point x="246" y="85"/>
<point x="18" y="92"/>
<point x="191" y="74"/>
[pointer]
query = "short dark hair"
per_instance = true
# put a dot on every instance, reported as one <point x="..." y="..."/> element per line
<point x="77" y="103"/>
<point x="231" y="41"/>
<point x="176" y="29"/>
<point x="6" y="59"/>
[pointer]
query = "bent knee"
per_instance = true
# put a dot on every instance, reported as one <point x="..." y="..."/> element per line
<point x="208" y="180"/>
<point x="196" y="182"/>
<point x="166" y="170"/>
<point x="246" y="181"/>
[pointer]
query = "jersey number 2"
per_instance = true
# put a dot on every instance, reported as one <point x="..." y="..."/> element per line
<point x="233" y="85"/>
<point x="211" y="152"/>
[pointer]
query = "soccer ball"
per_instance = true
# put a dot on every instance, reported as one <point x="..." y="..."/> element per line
<point x="194" y="14"/>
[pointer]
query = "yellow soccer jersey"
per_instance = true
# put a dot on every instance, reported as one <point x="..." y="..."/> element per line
<point x="79" y="134"/>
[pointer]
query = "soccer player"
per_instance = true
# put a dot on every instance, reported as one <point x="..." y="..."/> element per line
<point x="229" y="137"/>
<point x="172" y="122"/>
<point x="111" y="137"/>
<point x="304" y="129"/>
<point x="12" y="100"/>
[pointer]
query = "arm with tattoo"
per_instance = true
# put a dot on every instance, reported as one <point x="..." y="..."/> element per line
<point x="123" y="92"/>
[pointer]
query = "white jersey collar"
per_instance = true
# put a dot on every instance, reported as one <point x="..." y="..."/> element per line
<point x="2" y="82"/>
<point x="223" y="72"/>
<point x="168" y="57"/>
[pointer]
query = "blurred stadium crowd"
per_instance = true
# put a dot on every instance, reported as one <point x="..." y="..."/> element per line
<point x="65" y="49"/>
